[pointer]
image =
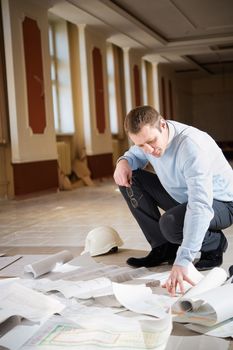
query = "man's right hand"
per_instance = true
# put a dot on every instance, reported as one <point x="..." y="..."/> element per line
<point x="123" y="173"/>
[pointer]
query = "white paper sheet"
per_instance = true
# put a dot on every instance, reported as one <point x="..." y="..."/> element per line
<point x="108" y="301"/>
<point x="81" y="289"/>
<point x="76" y="312"/>
<point x="113" y="272"/>
<point x="156" y="276"/>
<point x="222" y="330"/>
<point x="195" y="275"/>
<point x="15" y="338"/>
<point x="6" y="282"/>
<point x="87" y="288"/>
<point x="19" y="300"/>
<point x="139" y="299"/>
<point x="162" y="277"/>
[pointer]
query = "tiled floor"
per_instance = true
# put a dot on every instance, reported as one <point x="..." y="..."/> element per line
<point x="52" y="222"/>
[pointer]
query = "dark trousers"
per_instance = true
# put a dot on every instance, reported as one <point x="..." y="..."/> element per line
<point x="147" y="194"/>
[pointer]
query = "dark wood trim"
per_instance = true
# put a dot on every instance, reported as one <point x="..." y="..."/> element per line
<point x="99" y="90"/>
<point x="170" y="100"/>
<point x="100" y="165"/>
<point x="35" y="177"/>
<point x="137" y="90"/>
<point x="4" y="112"/>
<point x="164" y="100"/>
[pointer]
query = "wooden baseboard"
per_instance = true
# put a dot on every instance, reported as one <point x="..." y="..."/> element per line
<point x="100" y="165"/>
<point x="35" y="177"/>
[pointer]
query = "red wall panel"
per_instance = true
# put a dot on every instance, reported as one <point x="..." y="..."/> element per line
<point x="99" y="89"/>
<point x="34" y="75"/>
<point x="137" y="93"/>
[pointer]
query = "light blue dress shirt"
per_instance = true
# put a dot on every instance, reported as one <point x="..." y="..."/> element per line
<point x="192" y="169"/>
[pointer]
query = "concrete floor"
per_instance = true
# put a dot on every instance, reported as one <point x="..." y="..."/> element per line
<point x="53" y="222"/>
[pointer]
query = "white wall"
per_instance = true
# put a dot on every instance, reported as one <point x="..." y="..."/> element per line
<point x="184" y="110"/>
<point x="135" y="58"/>
<point x="212" y="106"/>
<point x="26" y="146"/>
<point x="206" y="103"/>
<point x="166" y="72"/>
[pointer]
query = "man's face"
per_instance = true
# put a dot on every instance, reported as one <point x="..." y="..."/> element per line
<point x="151" y="139"/>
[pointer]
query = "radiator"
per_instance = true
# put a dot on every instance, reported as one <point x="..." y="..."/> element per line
<point x="64" y="159"/>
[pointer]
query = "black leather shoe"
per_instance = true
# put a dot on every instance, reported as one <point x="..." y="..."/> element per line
<point x="165" y="253"/>
<point x="213" y="258"/>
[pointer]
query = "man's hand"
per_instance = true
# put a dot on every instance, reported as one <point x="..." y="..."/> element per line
<point x="123" y="173"/>
<point x="177" y="276"/>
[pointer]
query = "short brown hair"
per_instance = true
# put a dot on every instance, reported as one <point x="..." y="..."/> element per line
<point x="140" y="116"/>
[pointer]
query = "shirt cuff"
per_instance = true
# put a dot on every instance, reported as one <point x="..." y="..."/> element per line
<point x="184" y="256"/>
<point x="125" y="158"/>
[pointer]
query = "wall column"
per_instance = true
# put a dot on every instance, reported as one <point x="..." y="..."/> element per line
<point x="96" y="123"/>
<point x="33" y="143"/>
<point x="156" y="86"/>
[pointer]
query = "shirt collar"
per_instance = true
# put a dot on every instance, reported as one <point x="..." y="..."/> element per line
<point x="171" y="133"/>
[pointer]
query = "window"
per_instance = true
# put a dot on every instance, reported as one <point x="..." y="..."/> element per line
<point x="116" y="89"/>
<point x="114" y="123"/>
<point x="61" y="77"/>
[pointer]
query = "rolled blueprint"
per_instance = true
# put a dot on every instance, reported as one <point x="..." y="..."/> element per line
<point x="48" y="264"/>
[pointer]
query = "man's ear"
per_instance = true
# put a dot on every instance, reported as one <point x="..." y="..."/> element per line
<point x="163" y="123"/>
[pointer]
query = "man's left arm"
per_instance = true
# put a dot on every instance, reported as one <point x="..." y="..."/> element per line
<point x="199" y="212"/>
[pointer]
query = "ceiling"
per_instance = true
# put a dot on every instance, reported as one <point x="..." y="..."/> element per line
<point x="192" y="35"/>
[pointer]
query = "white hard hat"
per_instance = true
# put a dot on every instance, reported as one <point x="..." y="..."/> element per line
<point x="102" y="240"/>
